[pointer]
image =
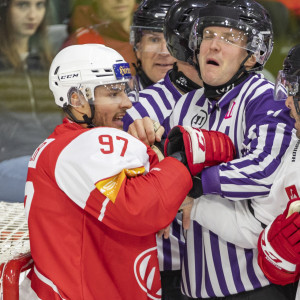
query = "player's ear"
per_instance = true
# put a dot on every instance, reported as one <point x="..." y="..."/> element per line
<point x="138" y="50"/>
<point x="250" y="62"/>
<point x="75" y="100"/>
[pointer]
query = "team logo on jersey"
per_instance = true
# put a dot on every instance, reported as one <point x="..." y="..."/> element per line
<point x="199" y="119"/>
<point x="229" y="112"/>
<point x="292" y="192"/>
<point x="147" y="273"/>
<point x="110" y="186"/>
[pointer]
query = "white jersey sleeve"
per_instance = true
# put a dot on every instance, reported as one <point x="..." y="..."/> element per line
<point x="232" y="220"/>
<point x="110" y="151"/>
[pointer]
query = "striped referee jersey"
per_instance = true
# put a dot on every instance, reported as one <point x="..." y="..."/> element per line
<point x="261" y="129"/>
<point x="156" y="101"/>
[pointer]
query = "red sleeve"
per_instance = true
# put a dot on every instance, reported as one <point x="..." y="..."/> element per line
<point x="147" y="203"/>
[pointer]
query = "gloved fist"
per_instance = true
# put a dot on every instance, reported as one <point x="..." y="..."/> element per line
<point x="279" y="247"/>
<point x="202" y="148"/>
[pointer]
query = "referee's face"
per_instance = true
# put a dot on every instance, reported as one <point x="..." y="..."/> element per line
<point x="153" y="53"/>
<point x="221" y="55"/>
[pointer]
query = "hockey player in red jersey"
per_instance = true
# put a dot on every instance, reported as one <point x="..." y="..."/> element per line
<point x="95" y="195"/>
<point x="279" y="247"/>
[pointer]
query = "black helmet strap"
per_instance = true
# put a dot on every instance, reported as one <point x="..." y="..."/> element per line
<point x="181" y="81"/>
<point x="145" y="80"/>
<point x="86" y="120"/>
<point x="296" y="103"/>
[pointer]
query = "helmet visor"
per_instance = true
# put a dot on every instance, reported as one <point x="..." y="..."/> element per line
<point x="116" y="90"/>
<point x="286" y="85"/>
<point x="151" y="39"/>
<point x="237" y="33"/>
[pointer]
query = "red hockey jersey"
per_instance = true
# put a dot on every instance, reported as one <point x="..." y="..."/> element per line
<point x="95" y="199"/>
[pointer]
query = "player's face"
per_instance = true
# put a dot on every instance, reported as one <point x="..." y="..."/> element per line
<point x="116" y="10"/>
<point x="111" y="104"/>
<point x="221" y="54"/>
<point x="154" y="55"/>
<point x="26" y="16"/>
<point x="293" y="113"/>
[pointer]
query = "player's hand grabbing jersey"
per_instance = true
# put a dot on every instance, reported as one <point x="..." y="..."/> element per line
<point x="95" y="199"/>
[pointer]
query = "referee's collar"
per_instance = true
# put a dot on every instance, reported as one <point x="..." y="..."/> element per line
<point x="227" y="97"/>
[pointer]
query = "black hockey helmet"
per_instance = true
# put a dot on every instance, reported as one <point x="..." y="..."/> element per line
<point x="291" y="64"/>
<point x="247" y="16"/>
<point x="288" y="79"/>
<point x="178" y="25"/>
<point x="150" y="15"/>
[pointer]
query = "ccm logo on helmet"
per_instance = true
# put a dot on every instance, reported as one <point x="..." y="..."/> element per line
<point x="70" y="76"/>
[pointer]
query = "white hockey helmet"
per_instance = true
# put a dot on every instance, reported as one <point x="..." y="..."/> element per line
<point x="84" y="67"/>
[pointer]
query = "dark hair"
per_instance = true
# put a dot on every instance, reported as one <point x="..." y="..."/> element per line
<point x="291" y="64"/>
<point x="37" y="41"/>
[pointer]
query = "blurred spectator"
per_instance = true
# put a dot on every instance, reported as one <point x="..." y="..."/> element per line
<point x="103" y="22"/>
<point x="292" y="5"/>
<point x="98" y="11"/>
<point x="27" y="112"/>
<point x="60" y="11"/>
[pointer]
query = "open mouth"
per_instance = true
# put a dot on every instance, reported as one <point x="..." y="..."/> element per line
<point x="212" y="62"/>
<point x="119" y="117"/>
<point x="165" y="65"/>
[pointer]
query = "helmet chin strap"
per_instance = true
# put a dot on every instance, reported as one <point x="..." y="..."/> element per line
<point x="145" y="80"/>
<point x="181" y="81"/>
<point x="86" y="120"/>
<point x="296" y="103"/>
<point x="215" y="92"/>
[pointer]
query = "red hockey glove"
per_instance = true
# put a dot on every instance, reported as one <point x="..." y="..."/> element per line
<point x="279" y="247"/>
<point x="202" y="148"/>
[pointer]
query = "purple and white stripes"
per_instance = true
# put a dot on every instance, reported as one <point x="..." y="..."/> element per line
<point x="156" y="101"/>
<point x="261" y="130"/>
<point x="216" y="268"/>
